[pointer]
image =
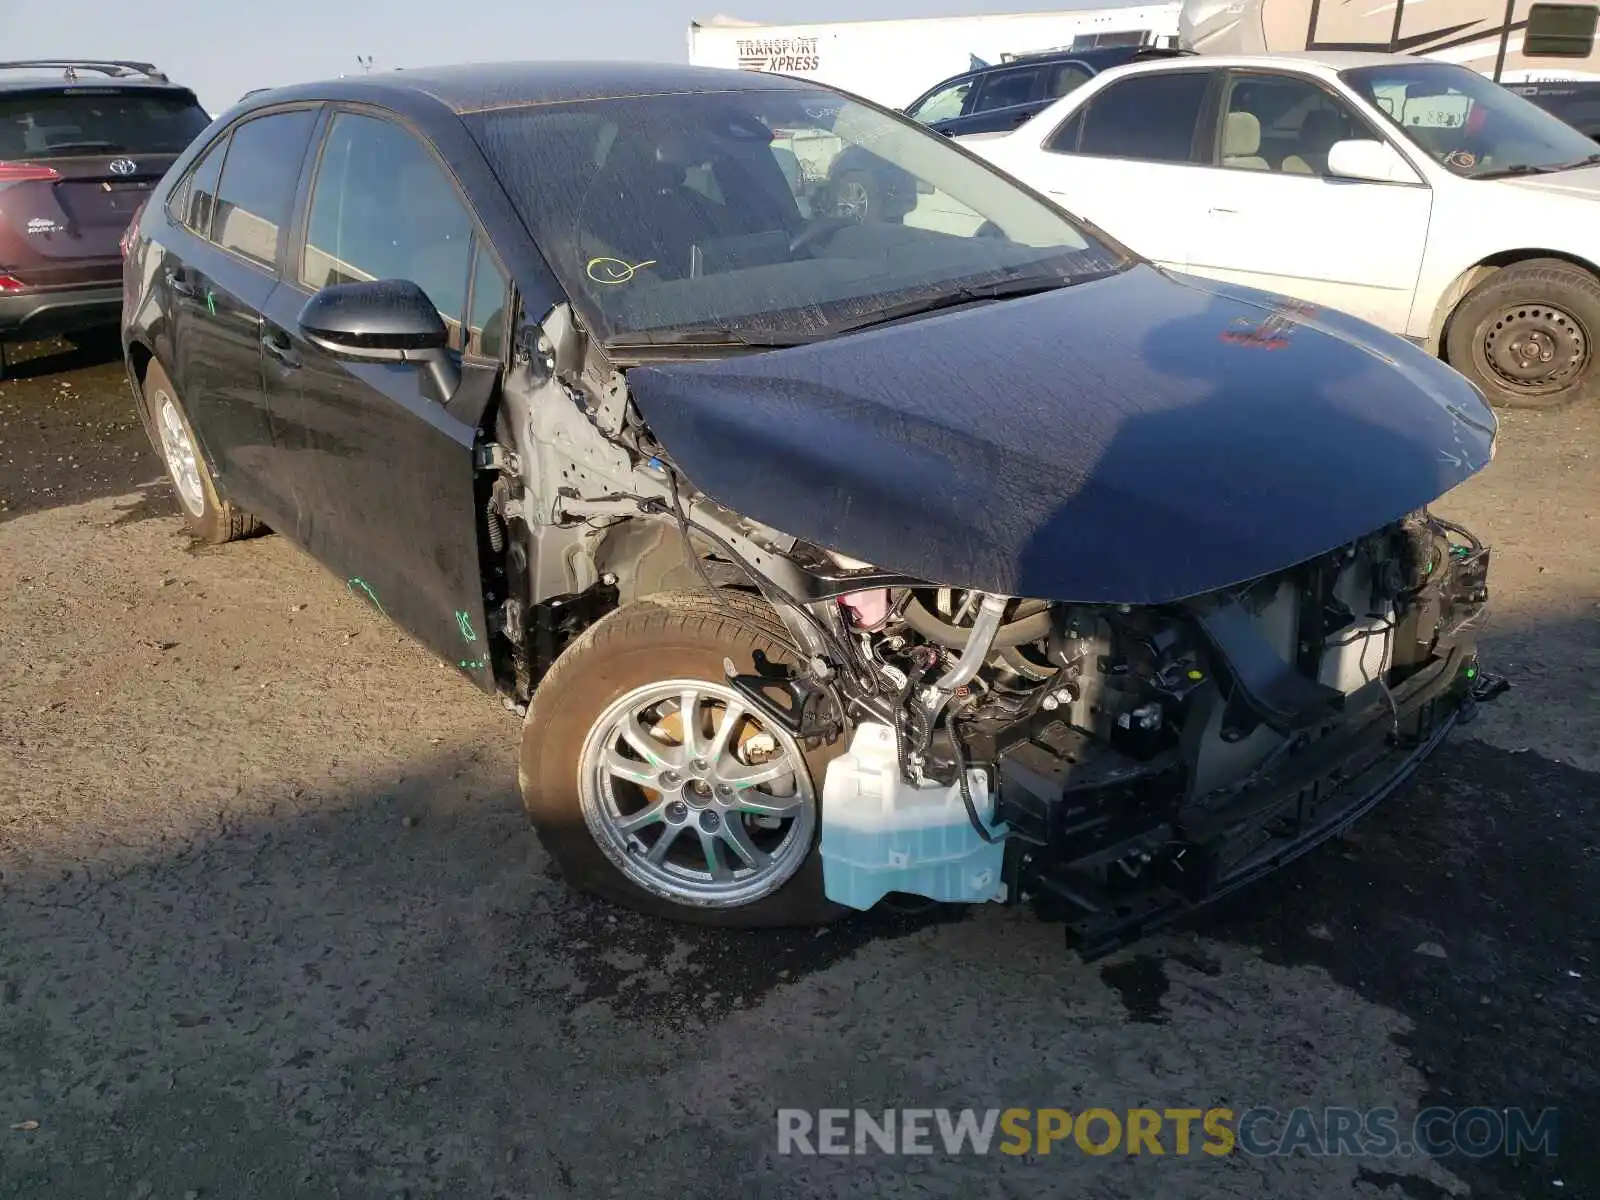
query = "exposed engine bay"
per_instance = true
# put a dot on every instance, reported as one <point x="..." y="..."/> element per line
<point x="1111" y="762"/>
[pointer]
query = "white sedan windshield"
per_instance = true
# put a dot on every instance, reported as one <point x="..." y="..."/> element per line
<point x="1469" y="124"/>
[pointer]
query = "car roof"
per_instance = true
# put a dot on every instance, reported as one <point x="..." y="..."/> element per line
<point x="69" y="74"/>
<point x="475" y="87"/>
<point x="1326" y="61"/>
<point x="1104" y="58"/>
<point x="1086" y="54"/>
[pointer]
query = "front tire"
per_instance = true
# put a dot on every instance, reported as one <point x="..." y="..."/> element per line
<point x="1529" y="336"/>
<point x="716" y="828"/>
<point x="210" y="518"/>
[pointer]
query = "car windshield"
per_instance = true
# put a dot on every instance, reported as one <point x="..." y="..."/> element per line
<point x="98" y="121"/>
<point x="1469" y="124"/>
<point x="768" y="215"/>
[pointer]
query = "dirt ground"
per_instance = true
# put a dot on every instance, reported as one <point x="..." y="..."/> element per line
<point x="271" y="924"/>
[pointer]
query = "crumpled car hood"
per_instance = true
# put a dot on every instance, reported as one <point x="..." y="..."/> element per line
<point x="1137" y="439"/>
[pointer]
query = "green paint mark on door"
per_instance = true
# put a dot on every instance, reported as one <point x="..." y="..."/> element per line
<point x="366" y="589"/>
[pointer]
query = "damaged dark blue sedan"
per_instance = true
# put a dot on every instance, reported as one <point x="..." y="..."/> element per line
<point x="949" y="550"/>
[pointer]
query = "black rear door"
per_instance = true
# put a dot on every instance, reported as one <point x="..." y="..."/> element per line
<point x="235" y="210"/>
<point x="381" y="468"/>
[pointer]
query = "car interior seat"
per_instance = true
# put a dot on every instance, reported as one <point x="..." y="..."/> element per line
<point x="638" y="209"/>
<point x="1241" y="142"/>
<point x="1320" y="130"/>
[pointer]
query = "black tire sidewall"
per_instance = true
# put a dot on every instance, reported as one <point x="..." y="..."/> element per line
<point x="644" y="643"/>
<point x="1544" y="282"/>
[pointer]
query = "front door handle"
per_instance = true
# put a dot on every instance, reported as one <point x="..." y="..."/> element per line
<point x="1224" y="212"/>
<point x="276" y="343"/>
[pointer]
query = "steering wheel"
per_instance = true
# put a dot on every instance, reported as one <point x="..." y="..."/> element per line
<point x="817" y="230"/>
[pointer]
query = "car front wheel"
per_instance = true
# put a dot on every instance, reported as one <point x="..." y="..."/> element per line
<point x="653" y="783"/>
<point x="1528" y="335"/>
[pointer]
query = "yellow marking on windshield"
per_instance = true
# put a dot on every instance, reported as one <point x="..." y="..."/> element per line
<point x="615" y="270"/>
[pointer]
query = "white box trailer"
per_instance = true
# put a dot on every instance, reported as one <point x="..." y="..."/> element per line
<point x="894" y="62"/>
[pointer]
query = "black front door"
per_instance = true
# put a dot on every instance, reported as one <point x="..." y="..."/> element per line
<point x="381" y="472"/>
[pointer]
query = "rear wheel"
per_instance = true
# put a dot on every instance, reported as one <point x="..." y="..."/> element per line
<point x="654" y="784"/>
<point x="210" y="518"/>
<point x="1528" y="335"/>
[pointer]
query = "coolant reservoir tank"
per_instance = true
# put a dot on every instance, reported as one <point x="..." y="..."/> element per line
<point x="881" y="834"/>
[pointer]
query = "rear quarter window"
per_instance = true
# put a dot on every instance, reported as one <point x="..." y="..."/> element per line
<point x="200" y="192"/>
<point x="98" y="121"/>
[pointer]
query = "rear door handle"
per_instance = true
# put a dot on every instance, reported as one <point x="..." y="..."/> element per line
<point x="1224" y="212"/>
<point x="180" y="286"/>
<point x="276" y="343"/>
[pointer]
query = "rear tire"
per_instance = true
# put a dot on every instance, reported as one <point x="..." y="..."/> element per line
<point x="605" y="830"/>
<point x="1529" y="335"/>
<point x="210" y="518"/>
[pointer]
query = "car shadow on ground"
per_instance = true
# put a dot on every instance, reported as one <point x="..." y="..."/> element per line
<point x="56" y="356"/>
<point x="343" y="974"/>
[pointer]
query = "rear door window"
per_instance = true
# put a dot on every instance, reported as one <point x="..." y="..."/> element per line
<point x="1067" y="77"/>
<point x="382" y="207"/>
<point x="1151" y="117"/>
<point x="258" y="180"/>
<point x="98" y="121"/>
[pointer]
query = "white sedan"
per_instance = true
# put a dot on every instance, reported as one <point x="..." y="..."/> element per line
<point x="1416" y="194"/>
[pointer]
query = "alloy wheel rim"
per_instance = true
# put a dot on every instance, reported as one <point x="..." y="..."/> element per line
<point x="695" y="797"/>
<point x="1536" y="349"/>
<point x="182" y="462"/>
<point x="852" y="201"/>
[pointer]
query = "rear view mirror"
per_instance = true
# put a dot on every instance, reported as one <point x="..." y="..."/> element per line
<point x="386" y="320"/>
<point x="1371" y="160"/>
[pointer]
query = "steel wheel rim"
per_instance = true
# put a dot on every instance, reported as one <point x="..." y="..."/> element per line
<point x="1536" y="348"/>
<point x="688" y="818"/>
<point x="182" y="462"/>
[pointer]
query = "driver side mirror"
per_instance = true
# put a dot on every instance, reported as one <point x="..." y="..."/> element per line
<point x="1371" y="160"/>
<point x="385" y="320"/>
